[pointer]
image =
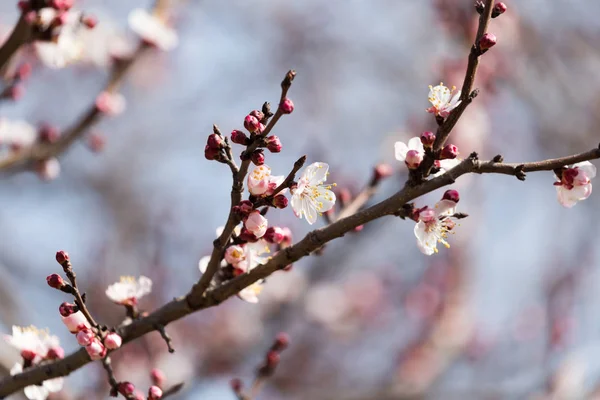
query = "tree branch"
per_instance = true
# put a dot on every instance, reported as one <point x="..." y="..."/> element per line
<point x="20" y="35"/>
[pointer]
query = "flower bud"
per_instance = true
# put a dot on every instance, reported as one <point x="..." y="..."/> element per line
<point x="55" y="281"/>
<point x="24" y="71"/>
<point x="113" y="341"/>
<point x="126" y="388"/>
<point x="85" y="337"/>
<point x="62" y="257"/>
<point x="28" y="355"/>
<point x="158" y="377"/>
<point x="499" y="9"/>
<point x="90" y="21"/>
<point x="110" y="103"/>
<point x="449" y="151"/>
<point x="211" y="153"/>
<point x="258" y="158"/>
<point x="67" y="309"/>
<point x="154" y="393"/>
<point x="256" y="223"/>
<point x="76" y="322"/>
<point x="273" y="144"/>
<point x="282" y="341"/>
<point x="487" y="41"/>
<point x="24" y="5"/>
<point x="247" y="236"/>
<point x="280" y="201"/>
<point x="382" y="171"/>
<point x="236" y="385"/>
<point x="286" y="106"/>
<point x="479" y="7"/>
<point x="251" y="123"/>
<point x="427" y="139"/>
<point x="240" y="137"/>
<point x="55" y="353"/>
<point x="214" y="141"/>
<point x="244" y="208"/>
<point x="259" y="115"/>
<point x="234" y="254"/>
<point x="96" y="350"/>
<point x="274" y="234"/>
<point x="413" y="159"/>
<point x="287" y="239"/>
<point x="96" y="142"/>
<point x="451" y="195"/>
<point x="272" y="359"/>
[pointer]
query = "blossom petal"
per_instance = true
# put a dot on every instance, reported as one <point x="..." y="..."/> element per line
<point x="316" y="173"/>
<point x="445" y="207"/>
<point x="587" y="167"/>
<point x="426" y="241"/>
<point x="325" y="199"/>
<point x="310" y="210"/>
<point x="415" y="144"/>
<point x="400" y="150"/>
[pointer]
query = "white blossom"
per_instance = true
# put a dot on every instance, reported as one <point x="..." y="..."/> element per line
<point x="443" y="100"/>
<point x="311" y="198"/>
<point x="434" y="225"/>
<point x="152" y="29"/>
<point x="128" y="290"/>
<point x="575" y="184"/>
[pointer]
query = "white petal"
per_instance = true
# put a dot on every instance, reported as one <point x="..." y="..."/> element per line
<point x="316" y="173"/>
<point x="415" y="144"/>
<point x="297" y="205"/>
<point x="35" y="392"/>
<point x="587" y="167"/>
<point x="54" y="385"/>
<point x="564" y="197"/>
<point x="203" y="264"/>
<point x="325" y="200"/>
<point x="445" y="207"/>
<point x="400" y="150"/>
<point x="447" y="165"/>
<point x="310" y="210"/>
<point x="426" y="241"/>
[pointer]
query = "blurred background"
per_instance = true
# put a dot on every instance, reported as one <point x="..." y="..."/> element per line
<point x="508" y="312"/>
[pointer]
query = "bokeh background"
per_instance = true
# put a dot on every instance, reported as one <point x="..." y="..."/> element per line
<point x="508" y="312"/>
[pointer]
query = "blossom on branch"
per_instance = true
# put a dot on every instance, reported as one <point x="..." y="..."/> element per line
<point x="414" y="147"/>
<point x="575" y="183"/>
<point x="39" y="392"/>
<point x="434" y="225"/>
<point x="153" y="29"/>
<point x="443" y="100"/>
<point x="67" y="46"/>
<point x="311" y="198"/>
<point x="127" y="291"/>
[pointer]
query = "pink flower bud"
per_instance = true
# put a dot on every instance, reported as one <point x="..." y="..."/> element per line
<point x="154" y="393"/>
<point x="272" y="359"/>
<point x="413" y="159"/>
<point x="274" y="234"/>
<point x="85" y="336"/>
<point x="451" y="195"/>
<point x="251" y="123"/>
<point x="487" y="41"/>
<point x="55" y="353"/>
<point x="24" y="5"/>
<point x="247" y="236"/>
<point x="214" y="141"/>
<point x="499" y="9"/>
<point x="449" y="151"/>
<point x="76" y="322"/>
<point x="67" y="309"/>
<point x="287" y="239"/>
<point x="96" y="350"/>
<point x="240" y="137"/>
<point x="234" y="254"/>
<point x="383" y="171"/>
<point x="427" y="139"/>
<point x="62" y="257"/>
<point x="256" y="224"/>
<point x="280" y="201"/>
<point x="259" y="115"/>
<point x="110" y="103"/>
<point x="286" y="106"/>
<point x="113" y="341"/>
<point x="258" y="158"/>
<point x="48" y="133"/>
<point x="126" y="388"/>
<point x="31" y="17"/>
<point x="24" y="71"/>
<point x="282" y="341"/>
<point x="138" y="395"/>
<point x="96" y="142"/>
<point x="90" y="21"/>
<point x="55" y="281"/>
<point x="61" y="18"/>
<point x="273" y="144"/>
<point x="28" y="355"/>
<point x="158" y="377"/>
<point x="210" y="153"/>
<point x="236" y="385"/>
<point x="245" y="207"/>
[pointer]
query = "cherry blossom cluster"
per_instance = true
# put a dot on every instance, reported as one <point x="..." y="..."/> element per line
<point x="264" y="370"/>
<point x="253" y="239"/>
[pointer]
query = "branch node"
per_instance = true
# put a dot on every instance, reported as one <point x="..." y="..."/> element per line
<point x="519" y="173"/>
<point x="163" y="333"/>
<point x="498" y="159"/>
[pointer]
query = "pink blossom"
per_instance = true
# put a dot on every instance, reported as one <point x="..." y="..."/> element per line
<point x="76" y="322"/>
<point x="234" y="255"/>
<point x="113" y="341"/>
<point x="575" y="184"/>
<point x="85" y="336"/>
<point x="256" y="224"/>
<point x="154" y="393"/>
<point x="258" y="180"/>
<point x="443" y="100"/>
<point x="96" y="350"/>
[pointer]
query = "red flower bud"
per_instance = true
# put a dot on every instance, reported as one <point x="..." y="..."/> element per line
<point x="214" y="141"/>
<point x="62" y="257"/>
<point x="449" y="151"/>
<point x="499" y="9"/>
<point x="210" y="153"/>
<point x="280" y="201"/>
<point x="48" y="133"/>
<point x="67" y="309"/>
<point x="273" y="144"/>
<point x="487" y="41"/>
<point x="272" y="359"/>
<point x="247" y="236"/>
<point x="126" y="388"/>
<point x="251" y="123"/>
<point x="286" y="106"/>
<point x="282" y="341"/>
<point x="382" y="171"/>
<point x="427" y="138"/>
<point x="244" y="208"/>
<point x="274" y="234"/>
<point x="236" y="385"/>
<point x="90" y="21"/>
<point x="240" y="137"/>
<point x="451" y="195"/>
<point x="158" y="377"/>
<point x="258" y="157"/>
<point x="55" y="281"/>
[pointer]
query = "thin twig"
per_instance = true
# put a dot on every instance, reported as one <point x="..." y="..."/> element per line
<point x="20" y="35"/>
